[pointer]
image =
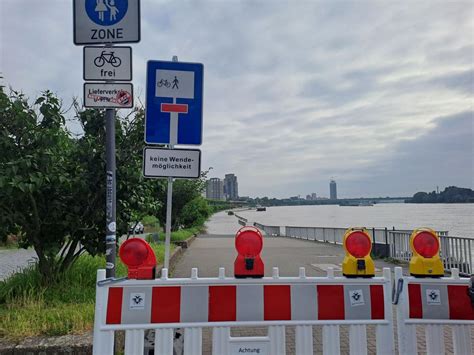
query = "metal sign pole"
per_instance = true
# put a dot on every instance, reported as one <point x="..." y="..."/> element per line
<point x="111" y="225"/>
<point x="169" y="199"/>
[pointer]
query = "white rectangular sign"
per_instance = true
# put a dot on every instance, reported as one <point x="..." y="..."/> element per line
<point x="108" y="95"/>
<point x="108" y="63"/>
<point x="174" y="83"/>
<point x="240" y="347"/>
<point x="106" y="21"/>
<point x="179" y="163"/>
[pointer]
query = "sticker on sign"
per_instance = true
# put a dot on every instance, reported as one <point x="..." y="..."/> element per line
<point x="108" y="95"/>
<point x="179" y="163"/>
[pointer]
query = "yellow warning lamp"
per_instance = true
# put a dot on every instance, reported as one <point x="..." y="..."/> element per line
<point x="357" y="263"/>
<point x="425" y="262"/>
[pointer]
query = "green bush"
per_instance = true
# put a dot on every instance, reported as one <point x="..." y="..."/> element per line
<point x="195" y="213"/>
<point x="28" y="307"/>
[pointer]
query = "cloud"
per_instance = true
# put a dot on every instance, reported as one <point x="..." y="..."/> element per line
<point x="295" y="92"/>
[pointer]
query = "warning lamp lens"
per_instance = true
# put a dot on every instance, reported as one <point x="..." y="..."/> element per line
<point x="358" y="244"/>
<point x="134" y="253"/>
<point x="426" y="244"/>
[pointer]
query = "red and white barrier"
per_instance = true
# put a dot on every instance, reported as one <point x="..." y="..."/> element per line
<point x="433" y="303"/>
<point x="221" y="303"/>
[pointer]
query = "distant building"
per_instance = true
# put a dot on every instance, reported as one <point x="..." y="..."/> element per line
<point x="332" y="190"/>
<point x="312" y="197"/>
<point x="215" y="189"/>
<point x="231" y="187"/>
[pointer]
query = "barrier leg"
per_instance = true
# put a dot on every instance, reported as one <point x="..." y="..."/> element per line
<point x="331" y="343"/>
<point x="164" y="341"/>
<point x="304" y="340"/>
<point x="134" y="341"/>
<point x="384" y="339"/>
<point x="193" y="341"/>
<point x="277" y="336"/>
<point x="434" y="339"/>
<point x="220" y="340"/>
<point x="462" y="339"/>
<point x="406" y="332"/>
<point x="103" y="343"/>
<point x="357" y="339"/>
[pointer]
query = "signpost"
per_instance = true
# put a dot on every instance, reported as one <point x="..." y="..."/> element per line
<point x="108" y="63"/>
<point x="108" y="22"/>
<point x="173" y="116"/>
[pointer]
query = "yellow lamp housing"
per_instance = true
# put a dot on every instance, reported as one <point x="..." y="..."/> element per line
<point x="425" y="262"/>
<point x="357" y="262"/>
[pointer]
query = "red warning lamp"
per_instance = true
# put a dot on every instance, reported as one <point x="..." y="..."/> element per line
<point x="358" y="244"/>
<point x="139" y="258"/>
<point x="357" y="261"/>
<point x="426" y="244"/>
<point x="249" y="244"/>
<point x="425" y="261"/>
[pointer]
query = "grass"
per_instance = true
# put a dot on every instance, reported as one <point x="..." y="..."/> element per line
<point x="176" y="236"/>
<point x="28" y="308"/>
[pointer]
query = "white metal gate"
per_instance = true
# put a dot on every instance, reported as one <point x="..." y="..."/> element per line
<point x="433" y="304"/>
<point x="224" y="302"/>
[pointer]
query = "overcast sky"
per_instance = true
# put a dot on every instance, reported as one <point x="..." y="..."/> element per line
<point x="377" y="94"/>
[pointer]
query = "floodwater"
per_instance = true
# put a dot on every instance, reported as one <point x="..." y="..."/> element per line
<point x="457" y="219"/>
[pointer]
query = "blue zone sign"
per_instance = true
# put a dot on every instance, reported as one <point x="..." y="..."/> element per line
<point x="174" y="88"/>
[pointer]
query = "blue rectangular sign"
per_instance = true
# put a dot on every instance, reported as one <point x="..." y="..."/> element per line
<point x="174" y="87"/>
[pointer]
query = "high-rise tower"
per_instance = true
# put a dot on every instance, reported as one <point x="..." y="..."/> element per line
<point x="332" y="190"/>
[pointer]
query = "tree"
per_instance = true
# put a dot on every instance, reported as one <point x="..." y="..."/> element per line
<point x="52" y="184"/>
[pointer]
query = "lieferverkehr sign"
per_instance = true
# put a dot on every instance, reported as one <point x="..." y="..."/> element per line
<point x="106" y="21"/>
<point x="179" y="163"/>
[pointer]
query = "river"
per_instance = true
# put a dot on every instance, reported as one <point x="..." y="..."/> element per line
<point x="458" y="219"/>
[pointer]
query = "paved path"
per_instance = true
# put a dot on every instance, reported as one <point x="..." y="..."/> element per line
<point x="209" y="252"/>
<point x="13" y="260"/>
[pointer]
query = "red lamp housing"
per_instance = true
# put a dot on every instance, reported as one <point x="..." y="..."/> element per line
<point x="249" y="244"/>
<point x="139" y="258"/>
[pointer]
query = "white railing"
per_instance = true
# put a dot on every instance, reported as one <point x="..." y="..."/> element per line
<point x="433" y="305"/>
<point x="270" y="231"/>
<point x="193" y="303"/>
<point x="455" y="252"/>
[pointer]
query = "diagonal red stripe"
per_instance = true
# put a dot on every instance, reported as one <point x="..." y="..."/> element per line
<point x="114" y="306"/>
<point x="330" y="302"/>
<point x="222" y="303"/>
<point x="414" y="301"/>
<point x="165" y="304"/>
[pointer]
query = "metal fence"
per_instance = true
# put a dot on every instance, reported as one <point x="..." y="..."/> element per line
<point x="455" y="252"/>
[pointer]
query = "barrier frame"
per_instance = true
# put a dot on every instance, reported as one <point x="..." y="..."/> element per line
<point x="434" y="328"/>
<point x="221" y="339"/>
